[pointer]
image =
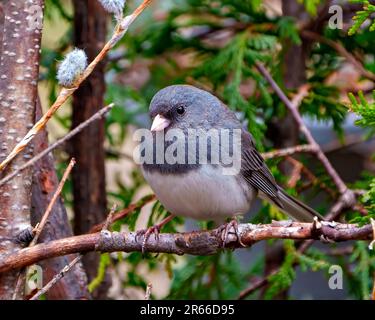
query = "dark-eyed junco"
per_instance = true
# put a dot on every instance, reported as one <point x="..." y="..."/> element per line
<point x="201" y="189"/>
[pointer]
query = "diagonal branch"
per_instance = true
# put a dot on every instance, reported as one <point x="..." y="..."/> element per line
<point x="288" y="151"/>
<point x="39" y="228"/>
<point x="56" y="278"/>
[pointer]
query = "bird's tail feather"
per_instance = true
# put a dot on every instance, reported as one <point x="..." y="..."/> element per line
<point x="295" y="208"/>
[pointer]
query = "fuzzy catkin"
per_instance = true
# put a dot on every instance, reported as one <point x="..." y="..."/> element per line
<point x="113" y="6"/>
<point x="71" y="67"/>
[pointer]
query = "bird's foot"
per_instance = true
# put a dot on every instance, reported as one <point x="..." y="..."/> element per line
<point x="146" y="234"/>
<point x="230" y="233"/>
<point x="154" y="230"/>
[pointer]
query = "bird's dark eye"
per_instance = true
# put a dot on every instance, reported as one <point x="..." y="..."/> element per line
<point x="180" y="110"/>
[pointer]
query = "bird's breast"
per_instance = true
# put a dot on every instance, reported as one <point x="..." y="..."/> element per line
<point x="203" y="193"/>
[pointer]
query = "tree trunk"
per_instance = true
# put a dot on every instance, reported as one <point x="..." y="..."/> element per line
<point x="19" y="70"/>
<point x="1" y="27"/>
<point x="89" y="174"/>
<point x="74" y="285"/>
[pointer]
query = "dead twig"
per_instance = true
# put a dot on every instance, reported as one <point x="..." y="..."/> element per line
<point x="288" y="151"/>
<point x="109" y="220"/>
<point x="148" y="291"/>
<point x="123" y="213"/>
<point x="295" y="175"/>
<point x="39" y="228"/>
<point x="56" y="278"/>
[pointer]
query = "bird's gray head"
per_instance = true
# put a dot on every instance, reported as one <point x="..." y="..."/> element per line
<point x="185" y="106"/>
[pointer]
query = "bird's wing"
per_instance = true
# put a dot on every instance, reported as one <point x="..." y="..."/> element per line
<point x="255" y="171"/>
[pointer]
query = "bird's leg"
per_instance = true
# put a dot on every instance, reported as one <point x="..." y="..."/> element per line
<point x="155" y="230"/>
<point x="230" y="228"/>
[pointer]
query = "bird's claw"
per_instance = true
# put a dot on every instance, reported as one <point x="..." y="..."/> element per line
<point x="324" y="239"/>
<point x="155" y="230"/>
<point x="230" y="229"/>
<point x="146" y="233"/>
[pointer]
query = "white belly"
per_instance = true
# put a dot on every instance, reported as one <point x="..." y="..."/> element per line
<point x="203" y="194"/>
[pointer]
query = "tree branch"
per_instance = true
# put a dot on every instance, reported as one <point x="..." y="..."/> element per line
<point x="288" y="151"/>
<point x="194" y="243"/>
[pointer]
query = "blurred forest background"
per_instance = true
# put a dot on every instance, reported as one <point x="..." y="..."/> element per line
<point x="213" y="45"/>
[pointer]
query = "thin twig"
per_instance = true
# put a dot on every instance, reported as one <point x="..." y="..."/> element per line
<point x="56" y="278"/>
<point x="313" y="179"/>
<point x="295" y="175"/>
<point x="302" y="93"/>
<point x="65" y="93"/>
<point x="19" y="285"/>
<point x="148" y="291"/>
<point x="339" y="252"/>
<point x="124" y="212"/>
<point x="371" y="245"/>
<point x="255" y="285"/>
<point x="287" y="151"/>
<point x="39" y="228"/>
<point x="350" y="141"/>
<point x="109" y="220"/>
<point x="97" y="116"/>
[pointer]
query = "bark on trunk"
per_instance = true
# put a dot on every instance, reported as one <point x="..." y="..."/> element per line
<point x="87" y="147"/>
<point x="19" y="69"/>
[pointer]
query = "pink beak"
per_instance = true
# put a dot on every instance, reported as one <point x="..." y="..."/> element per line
<point x="160" y="123"/>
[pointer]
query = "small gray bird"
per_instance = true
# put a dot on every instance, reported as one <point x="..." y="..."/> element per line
<point x="201" y="190"/>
